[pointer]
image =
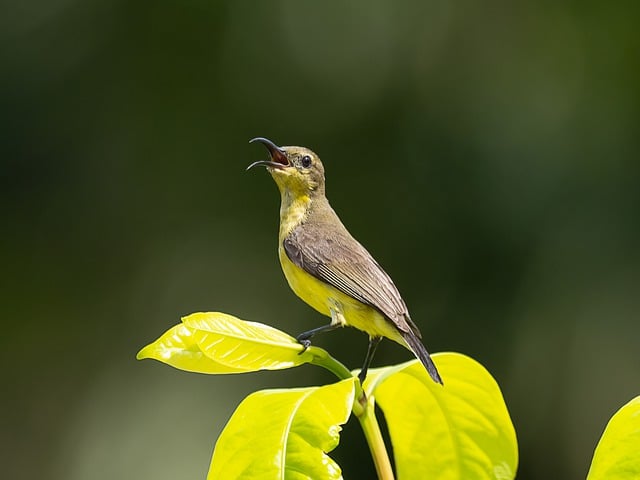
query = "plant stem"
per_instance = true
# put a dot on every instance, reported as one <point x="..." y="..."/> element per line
<point x="372" y="433"/>
<point x="322" y="358"/>
<point x="363" y="409"/>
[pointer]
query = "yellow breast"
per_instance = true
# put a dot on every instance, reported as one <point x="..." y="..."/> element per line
<point x="307" y="287"/>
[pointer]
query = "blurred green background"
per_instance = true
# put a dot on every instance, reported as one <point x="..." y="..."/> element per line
<point x="485" y="153"/>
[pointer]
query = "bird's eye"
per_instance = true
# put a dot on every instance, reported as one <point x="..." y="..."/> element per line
<point x="306" y="161"/>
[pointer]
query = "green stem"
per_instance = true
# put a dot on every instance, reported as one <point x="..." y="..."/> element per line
<point x="322" y="358"/>
<point x="372" y="433"/>
<point x="363" y="409"/>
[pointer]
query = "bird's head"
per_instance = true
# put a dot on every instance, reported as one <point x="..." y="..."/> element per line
<point x="296" y="170"/>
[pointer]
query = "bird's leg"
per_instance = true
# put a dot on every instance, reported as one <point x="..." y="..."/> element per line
<point x="373" y="344"/>
<point x="337" y="321"/>
<point x="304" y="337"/>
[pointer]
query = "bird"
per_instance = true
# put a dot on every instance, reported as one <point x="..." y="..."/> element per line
<point x="329" y="269"/>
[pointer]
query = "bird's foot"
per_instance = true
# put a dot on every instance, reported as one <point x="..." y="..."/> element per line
<point x="304" y="341"/>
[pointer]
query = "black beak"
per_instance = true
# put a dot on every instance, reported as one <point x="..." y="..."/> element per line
<point x="278" y="156"/>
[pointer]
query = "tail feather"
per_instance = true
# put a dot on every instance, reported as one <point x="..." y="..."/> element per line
<point x="421" y="353"/>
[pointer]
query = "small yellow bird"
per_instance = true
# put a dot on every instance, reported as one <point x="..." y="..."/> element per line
<point x="326" y="267"/>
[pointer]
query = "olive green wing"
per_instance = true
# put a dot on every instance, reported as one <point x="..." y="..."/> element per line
<point x="340" y="261"/>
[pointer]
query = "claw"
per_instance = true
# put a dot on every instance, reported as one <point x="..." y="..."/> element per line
<point x="305" y="342"/>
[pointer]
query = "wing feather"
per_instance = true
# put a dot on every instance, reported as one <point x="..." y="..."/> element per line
<point x="340" y="261"/>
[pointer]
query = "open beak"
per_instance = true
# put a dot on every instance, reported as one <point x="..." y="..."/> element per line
<point x="278" y="156"/>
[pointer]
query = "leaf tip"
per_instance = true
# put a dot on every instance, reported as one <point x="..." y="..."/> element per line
<point x="143" y="353"/>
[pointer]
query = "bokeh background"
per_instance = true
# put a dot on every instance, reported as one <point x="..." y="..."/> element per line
<point x="487" y="153"/>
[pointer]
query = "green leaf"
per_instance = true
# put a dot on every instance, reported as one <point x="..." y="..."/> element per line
<point x="284" y="434"/>
<point x="218" y="343"/>
<point x="178" y="348"/>
<point x="458" y="431"/>
<point x="617" y="456"/>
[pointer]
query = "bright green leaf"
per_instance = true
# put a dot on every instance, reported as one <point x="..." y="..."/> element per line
<point x="459" y="431"/>
<point x="178" y="348"/>
<point x="284" y="434"/>
<point x="617" y="456"/>
<point x="247" y="345"/>
<point x="219" y="343"/>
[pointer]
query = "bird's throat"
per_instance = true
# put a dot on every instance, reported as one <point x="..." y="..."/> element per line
<point x="293" y="211"/>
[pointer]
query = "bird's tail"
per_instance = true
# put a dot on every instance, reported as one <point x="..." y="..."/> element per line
<point x="420" y="351"/>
